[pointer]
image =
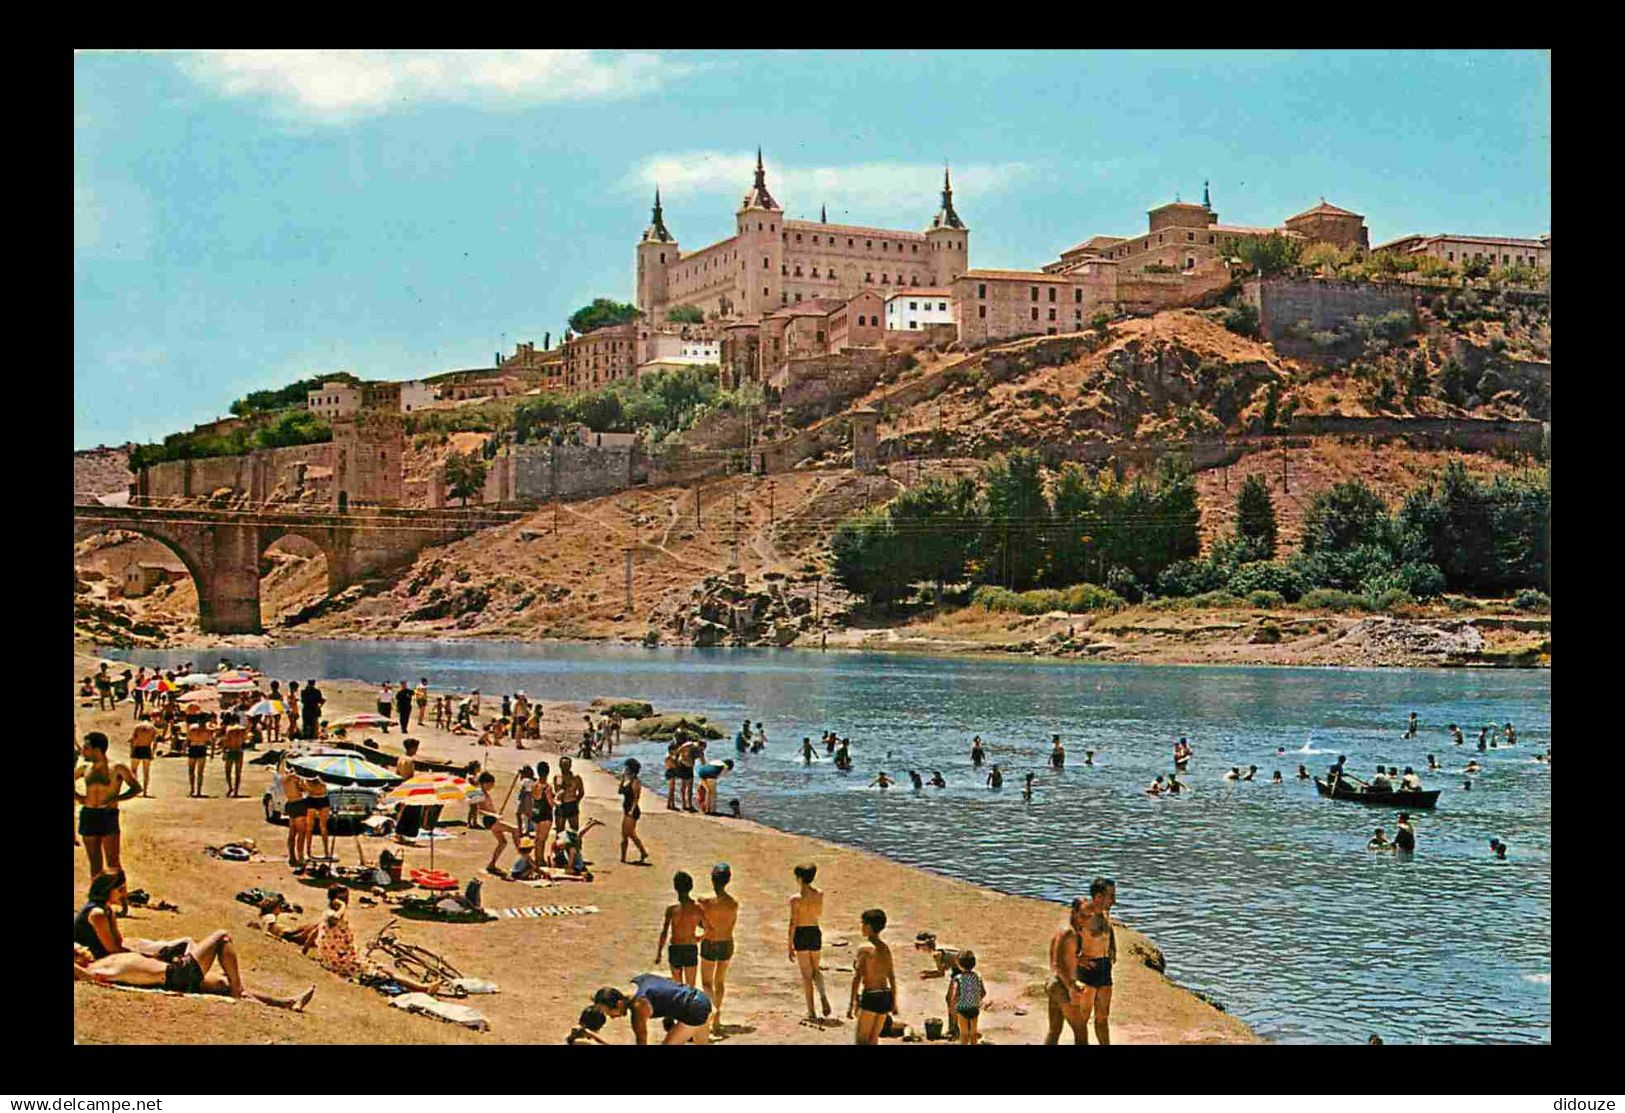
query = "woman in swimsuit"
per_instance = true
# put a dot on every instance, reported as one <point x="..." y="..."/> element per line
<point x="541" y="814"/>
<point x="631" y="791"/>
<point x="318" y="811"/>
<point x="806" y="939"/>
<point x="493" y="822"/>
<point x="98" y="811"/>
<point x="682" y="923"/>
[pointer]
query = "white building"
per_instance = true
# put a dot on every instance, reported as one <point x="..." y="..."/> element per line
<point x="917" y="308"/>
<point x="416" y="394"/>
<point x="1497" y="251"/>
<point x="334" y="399"/>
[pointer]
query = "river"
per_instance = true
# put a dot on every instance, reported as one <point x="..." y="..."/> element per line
<point x="1259" y="895"/>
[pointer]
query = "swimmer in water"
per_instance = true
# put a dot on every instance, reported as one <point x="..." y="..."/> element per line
<point x="1467" y="786"/>
<point x="1280" y="751"/>
<point x="977" y="753"/>
<point x="1456" y="738"/>
<point x="1410" y="731"/>
<point x="1303" y="773"/>
<point x="1499" y="848"/>
<point x="1276" y="779"/>
<point x="807" y="755"/>
<point x="1027" y="788"/>
<point x="936" y="779"/>
<point x="995" y="779"/>
<point x="1057" y="752"/>
<point x="1174" y="785"/>
<point x="883" y="781"/>
<point x="1378" y="842"/>
<point x="1474" y="767"/>
<point x="1234" y="774"/>
<point x="1155" y="787"/>
<point x="1433" y="763"/>
<point x="1252" y="771"/>
<point x="914" y="775"/>
<point x="1088" y="757"/>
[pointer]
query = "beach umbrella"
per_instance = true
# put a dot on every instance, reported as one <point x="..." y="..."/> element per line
<point x="363" y="719"/>
<point x="346" y="766"/>
<point x="428" y="789"/>
<point x="268" y="707"/>
<point x="196" y="678"/>
<point x="158" y="684"/>
<point x="235" y="684"/>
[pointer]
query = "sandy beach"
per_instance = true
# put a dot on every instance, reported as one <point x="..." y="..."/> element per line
<point x="548" y="967"/>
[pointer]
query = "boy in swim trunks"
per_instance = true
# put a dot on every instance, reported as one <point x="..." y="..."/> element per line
<point x="720" y="913"/>
<point x="874" y="982"/>
<point x="683" y="922"/>
<point x="806" y="939"/>
<point x="199" y="744"/>
<point x="492" y="821"/>
<point x="143" y="741"/>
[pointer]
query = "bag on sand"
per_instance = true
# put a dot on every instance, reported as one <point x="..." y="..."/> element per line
<point x="933" y="1027"/>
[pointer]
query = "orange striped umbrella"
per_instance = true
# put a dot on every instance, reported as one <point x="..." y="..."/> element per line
<point x="430" y="789"/>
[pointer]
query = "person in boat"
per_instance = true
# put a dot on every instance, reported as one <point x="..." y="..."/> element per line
<point x="1410" y="731"/>
<point x="1405" y="836"/>
<point x="1335" y="773"/>
<point x="1303" y="772"/>
<point x="1234" y="774"/>
<point x="1175" y="787"/>
<point x="1155" y="788"/>
<point x="1379" y="841"/>
<point x="1456" y="738"/>
<point x="1276" y="778"/>
<point x="1410" y="782"/>
<point x="1252" y="771"/>
<point x="1433" y="764"/>
<point x="936" y="779"/>
<point x="1474" y="767"/>
<point x="1057" y="752"/>
<point x="1381" y="783"/>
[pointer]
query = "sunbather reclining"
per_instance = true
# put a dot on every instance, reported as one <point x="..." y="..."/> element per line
<point x="190" y="972"/>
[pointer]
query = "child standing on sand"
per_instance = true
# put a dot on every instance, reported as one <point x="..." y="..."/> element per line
<point x="969" y="993"/>
<point x="872" y="974"/>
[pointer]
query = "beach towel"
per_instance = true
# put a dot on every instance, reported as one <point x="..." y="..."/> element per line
<point x="423" y="1004"/>
<point x="532" y="912"/>
<point x="474" y="985"/>
<point x="171" y="993"/>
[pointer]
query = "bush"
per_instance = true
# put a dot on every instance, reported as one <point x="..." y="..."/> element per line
<point x="1078" y="599"/>
<point x="1214" y="600"/>
<point x="1331" y="599"/>
<point x="1268" y="600"/>
<point x="1083" y="598"/>
<point x="1120" y="581"/>
<point x="1185" y="578"/>
<point x="1391" y="600"/>
<point x="1267" y="576"/>
<point x="1268" y="633"/>
<point x="1529" y="599"/>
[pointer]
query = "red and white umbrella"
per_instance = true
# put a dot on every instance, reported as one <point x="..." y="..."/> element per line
<point x="429" y="789"/>
<point x="235" y="684"/>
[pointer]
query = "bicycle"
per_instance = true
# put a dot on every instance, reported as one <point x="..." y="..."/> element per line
<point x="418" y="963"/>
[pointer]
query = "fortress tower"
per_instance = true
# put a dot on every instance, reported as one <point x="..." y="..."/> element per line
<point x="656" y="251"/>
<point x="949" y="239"/>
<point x="761" y="247"/>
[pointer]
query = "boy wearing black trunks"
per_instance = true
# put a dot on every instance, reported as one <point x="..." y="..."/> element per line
<point x="1104" y="892"/>
<point x="872" y="974"/>
<point x="143" y="741"/>
<point x="806" y="938"/>
<point x="568" y="789"/>
<point x="199" y="744"/>
<point x="683" y="921"/>
<point x="720" y="913"/>
<point x="492" y="821"/>
<point x="98" y="811"/>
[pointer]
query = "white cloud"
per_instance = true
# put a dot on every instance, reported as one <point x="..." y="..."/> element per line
<point x="854" y="193"/>
<point x="333" y="86"/>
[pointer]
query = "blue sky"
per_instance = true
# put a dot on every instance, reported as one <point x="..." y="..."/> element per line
<point x="242" y="220"/>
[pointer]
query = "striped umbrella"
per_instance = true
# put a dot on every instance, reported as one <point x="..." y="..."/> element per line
<point x="347" y="767"/>
<point x="268" y="707"/>
<point x="158" y="684"/>
<point x="236" y="684"/>
<point x="363" y="719"/>
<point x="429" y="789"/>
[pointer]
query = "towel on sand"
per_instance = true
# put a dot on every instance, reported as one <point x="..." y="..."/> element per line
<point x="533" y="911"/>
<point x="474" y="985"/>
<point x="170" y="992"/>
<point x="441" y="1010"/>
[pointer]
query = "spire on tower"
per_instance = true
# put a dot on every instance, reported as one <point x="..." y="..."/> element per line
<point x="657" y="224"/>
<point x="759" y="197"/>
<point x="823" y="214"/>
<point x="946" y="217"/>
<point x="1207" y="202"/>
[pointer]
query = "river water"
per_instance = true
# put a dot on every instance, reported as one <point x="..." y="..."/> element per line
<point x="1259" y="895"/>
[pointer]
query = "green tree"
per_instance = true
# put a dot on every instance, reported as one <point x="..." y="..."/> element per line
<point x="1271" y="254"/>
<point x="685" y="315"/>
<point x="601" y="313"/>
<point x="868" y="557"/>
<point x="937" y="526"/>
<point x="1345" y="516"/>
<point x="1242" y="319"/>
<point x="465" y="475"/>
<point x="1493" y="536"/>
<point x="1455" y="382"/>
<point x="291" y="428"/>
<point x="1015" y="519"/>
<point x="294" y="394"/>
<point x="1255" y="517"/>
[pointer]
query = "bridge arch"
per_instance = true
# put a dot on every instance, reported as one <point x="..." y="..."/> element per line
<point x="84" y="529"/>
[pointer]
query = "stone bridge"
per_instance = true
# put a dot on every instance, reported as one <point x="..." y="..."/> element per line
<point x="222" y="548"/>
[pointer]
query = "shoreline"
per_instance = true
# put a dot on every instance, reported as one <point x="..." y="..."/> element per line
<point x="548" y="967"/>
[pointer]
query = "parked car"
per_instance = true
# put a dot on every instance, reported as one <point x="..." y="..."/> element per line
<point x="351" y="803"/>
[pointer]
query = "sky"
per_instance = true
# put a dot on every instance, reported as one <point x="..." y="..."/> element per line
<point x="246" y="219"/>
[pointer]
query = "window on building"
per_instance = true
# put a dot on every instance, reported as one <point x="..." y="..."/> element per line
<point x="1077" y="314"/>
<point x="798" y="272"/>
<point x="1035" y="312"/>
<point x="798" y="237"/>
<point x="884" y="281"/>
<point x="1052" y="314"/>
<point x="868" y="244"/>
<point x="1034" y="290"/>
<point x="914" y="247"/>
<point x="832" y="241"/>
<point x="942" y="306"/>
<point x="913" y="305"/>
<point x="820" y="335"/>
<point x="784" y="299"/>
<point x="981" y="289"/>
<point x="758" y="226"/>
<point x="868" y="276"/>
<point x="913" y="324"/>
<point x="1506" y="258"/>
<point x="981" y="311"/>
<point x="798" y="297"/>
<point x="1450" y="256"/>
<point x="764" y="291"/>
<point x="1190" y="236"/>
<point x="849" y="241"/>
<point x="1049" y="332"/>
<point x="1052" y="293"/>
<point x="764" y="262"/>
<point x="1190" y="261"/>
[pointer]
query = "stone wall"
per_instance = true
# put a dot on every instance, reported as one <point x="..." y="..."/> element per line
<point x="813" y="388"/>
<point x="1325" y="305"/>
<point x="541" y="472"/>
<point x="259" y="476"/>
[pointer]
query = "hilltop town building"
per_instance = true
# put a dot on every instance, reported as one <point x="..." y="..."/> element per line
<point x="771" y="263"/>
<point x="1499" y="251"/>
<point x="917" y="309"/>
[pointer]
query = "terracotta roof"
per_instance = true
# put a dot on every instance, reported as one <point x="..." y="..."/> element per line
<point x="1094" y="241"/>
<point x="1025" y="276"/>
<point x="1504" y="241"/>
<point x="1323" y="209"/>
<point x="1247" y="229"/>
<point x="924" y="292"/>
<point x="1181" y="205"/>
<point x="852" y="229"/>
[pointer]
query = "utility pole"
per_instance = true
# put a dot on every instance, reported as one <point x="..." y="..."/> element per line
<point x="555" y="515"/>
<point x="770" y="504"/>
<point x="736" y="528"/>
<point x="696" y="506"/>
<point x="1284" y="486"/>
<point x="629" y="579"/>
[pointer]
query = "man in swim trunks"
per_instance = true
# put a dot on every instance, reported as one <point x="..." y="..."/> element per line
<point x="310" y="707"/>
<point x="143" y="741"/>
<point x="683" y="1008"/>
<point x="1069" y="999"/>
<point x="568" y="789"/>
<point x="98" y="804"/>
<point x="874" y="982"/>
<point x="688" y="755"/>
<point x="199" y="744"/>
<point x="1410" y="731"/>
<point x="882" y="781"/>
<point x="806" y="938"/>
<point x="188" y="972"/>
<point x="296" y="808"/>
<point x="1057" y="752"/>
<point x="1405" y="836"/>
<point x="1378" y="841"/>
<point x="936" y="779"/>
<point x="708" y="774"/>
<point x="977" y="753"/>
<point x="683" y="922"/>
<point x="720" y="913"/>
<point x="995" y="779"/>
<point x="1098" y="954"/>
<point x="232" y="739"/>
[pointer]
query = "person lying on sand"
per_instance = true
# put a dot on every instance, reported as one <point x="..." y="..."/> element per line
<point x="682" y="1009"/>
<point x="189" y="972"/>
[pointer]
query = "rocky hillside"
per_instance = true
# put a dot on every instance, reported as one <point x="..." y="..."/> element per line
<point x="101" y="471"/>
